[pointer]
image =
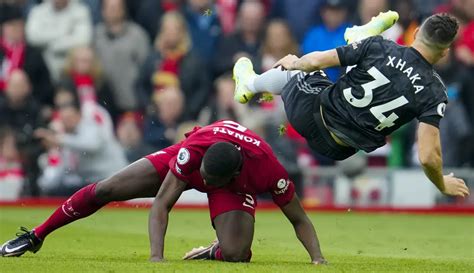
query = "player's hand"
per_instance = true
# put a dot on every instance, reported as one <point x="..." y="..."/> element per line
<point x="156" y="259"/>
<point x="320" y="261"/>
<point x="287" y="62"/>
<point x="454" y="186"/>
<point x="48" y="137"/>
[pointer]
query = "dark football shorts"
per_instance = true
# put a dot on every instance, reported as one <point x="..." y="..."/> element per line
<point x="302" y="105"/>
<point x="220" y="200"/>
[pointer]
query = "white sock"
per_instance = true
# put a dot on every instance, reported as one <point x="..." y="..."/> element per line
<point x="271" y="81"/>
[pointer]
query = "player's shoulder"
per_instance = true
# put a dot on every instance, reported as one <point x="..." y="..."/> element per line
<point x="376" y="46"/>
<point x="376" y="39"/>
<point x="383" y="44"/>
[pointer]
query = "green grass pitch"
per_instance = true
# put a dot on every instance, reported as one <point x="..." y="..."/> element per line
<point x="116" y="240"/>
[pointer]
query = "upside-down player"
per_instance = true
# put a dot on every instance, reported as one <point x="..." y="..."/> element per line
<point x="389" y="86"/>
<point x="226" y="160"/>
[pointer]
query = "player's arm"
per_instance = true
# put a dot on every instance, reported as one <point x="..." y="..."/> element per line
<point x="347" y="55"/>
<point x="429" y="152"/>
<point x="169" y="192"/>
<point x="304" y="229"/>
<point x="313" y="61"/>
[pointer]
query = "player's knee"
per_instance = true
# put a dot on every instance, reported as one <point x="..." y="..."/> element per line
<point x="235" y="255"/>
<point x="104" y="191"/>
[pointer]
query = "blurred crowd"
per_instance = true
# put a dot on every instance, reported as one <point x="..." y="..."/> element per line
<point x="88" y="86"/>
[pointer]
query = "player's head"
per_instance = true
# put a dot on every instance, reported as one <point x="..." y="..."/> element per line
<point x="221" y="162"/>
<point x="437" y="34"/>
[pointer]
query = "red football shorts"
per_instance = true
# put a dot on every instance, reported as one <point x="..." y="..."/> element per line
<point x="220" y="201"/>
<point x="161" y="159"/>
<point x="223" y="200"/>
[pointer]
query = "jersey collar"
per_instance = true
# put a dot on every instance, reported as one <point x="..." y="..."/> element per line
<point x="421" y="56"/>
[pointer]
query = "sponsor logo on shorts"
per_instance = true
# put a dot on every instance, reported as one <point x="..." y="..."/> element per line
<point x="249" y="201"/>
<point x="282" y="186"/>
<point x="183" y="156"/>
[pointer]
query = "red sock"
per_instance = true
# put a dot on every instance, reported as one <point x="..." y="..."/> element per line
<point x="218" y="255"/>
<point x="81" y="204"/>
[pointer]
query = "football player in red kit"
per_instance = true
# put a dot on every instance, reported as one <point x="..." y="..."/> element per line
<point x="225" y="160"/>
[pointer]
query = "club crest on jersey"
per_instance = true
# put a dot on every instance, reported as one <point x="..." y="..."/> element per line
<point x="183" y="156"/>
<point x="282" y="186"/>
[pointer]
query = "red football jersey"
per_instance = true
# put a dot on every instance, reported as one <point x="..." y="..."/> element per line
<point x="261" y="172"/>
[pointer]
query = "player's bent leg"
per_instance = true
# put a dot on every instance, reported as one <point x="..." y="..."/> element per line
<point x="139" y="179"/>
<point x="235" y="231"/>
<point x="376" y="26"/>
<point x="232" y="215"/>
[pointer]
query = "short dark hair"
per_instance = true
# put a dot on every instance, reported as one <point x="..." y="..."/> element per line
<point x="222" y="159"/>
<point x="10" y="12"/>
<point x="75" y="100"/>
<point x="439" y="30"/>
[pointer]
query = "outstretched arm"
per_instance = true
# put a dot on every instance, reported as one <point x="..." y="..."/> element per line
<point x="429" y="152"/>
<point x="304" y="229"/>
<point x="169" y="192"/>
<point x="310" y="62"/>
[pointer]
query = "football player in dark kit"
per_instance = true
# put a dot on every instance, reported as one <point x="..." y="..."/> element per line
<point x="225" y="160"/>
<point x="388" y="86"/>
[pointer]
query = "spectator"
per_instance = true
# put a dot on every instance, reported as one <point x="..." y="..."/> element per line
<point x="456" y="132"/>
<point x="83" y="74"/>
<point x="370" y="8"/>
<point x="277" y="43"/>
<point x="15" y="53"/>
<point x="150" y="12"/>
<point x="330" y="33"/>
<point x="245" y="41"/>
<point x="455" y="128"/>
<point x="20" y="111"/>
<point x="464" y="12"/>
<point x="122" y="47"/>
<point x="173" y="63"/>
<point x="465" y="46"/>
<point x="23" y="5"/>
<point x="204" y="26"/>
<point x="161" y="126"/>
<point x="300" y="16"/>
<point x="227" y="13"/>
<point x="404" y="29"/>
<point x="93" y="145"/>
<point x="94" y="10"/>
<point x="461" y="9"/>
<point x="12" y="175"/>
<point x="130" y="136"/>
<point x="58" y="26"/>
<point x="224" y="106"/>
